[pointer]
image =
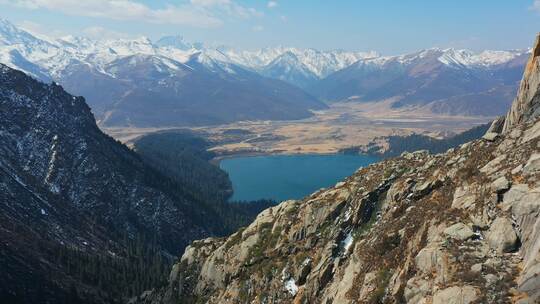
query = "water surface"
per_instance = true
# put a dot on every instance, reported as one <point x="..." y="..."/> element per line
<point x="282" y="177"/>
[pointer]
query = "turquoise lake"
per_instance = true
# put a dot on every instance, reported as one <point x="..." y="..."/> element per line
<point x="282" y="177"/>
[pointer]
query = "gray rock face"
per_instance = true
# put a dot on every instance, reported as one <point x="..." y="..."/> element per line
<point x="501" y="235"/>
<point x="533" y="165"/>
<point x="491" y="136"/>
<point x="456" y="295"/>
<point x="463" y="198"/>
<point x="524" y="203"/>
<point x="497" y="125"/>
<point x="459" y="231"/>
<point x="416" y="290"/>
<point x="526" y="106"/>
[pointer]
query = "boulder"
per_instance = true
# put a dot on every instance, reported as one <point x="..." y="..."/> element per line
<point x="491" y="279"/>
<point x="459" y="231"/>
<point x="432" y="260"/>
<point x="416" y="289"/>
<point x="490" y="136"/>
<point x="456" y="295"/>
<point x="517" y="169"/>
<point x="496" y="126"/>
<point x="533" y="165"/>
<point x="494" y="165"/>
<point x="501" y="235"/>
<point x="522" y="200"/>
<point x="463" y="198"/>
<point x="529" y="282"/>
<point x="476" y="268"/>
<point x="500" y="185"/>
<point x="531" y="133"/>
<point x="427" y="187"/>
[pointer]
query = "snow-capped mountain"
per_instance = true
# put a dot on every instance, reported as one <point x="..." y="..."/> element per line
<point x="288" y="63"/>
<point x="55" y="54"/>
<point x="451" y="57"/>
<point x="433" y="76"/>
<point x="447" y="81"/>
<point x="135" y="82"/>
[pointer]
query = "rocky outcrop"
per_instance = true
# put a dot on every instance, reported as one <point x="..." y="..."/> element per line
<point x="526" y="106"/>
<point x="456" y="227"/>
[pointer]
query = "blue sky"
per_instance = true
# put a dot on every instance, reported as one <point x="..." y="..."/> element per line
<point x="389" y="27"/>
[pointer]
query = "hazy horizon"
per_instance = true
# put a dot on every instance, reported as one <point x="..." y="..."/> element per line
<point x="388" y="28"/>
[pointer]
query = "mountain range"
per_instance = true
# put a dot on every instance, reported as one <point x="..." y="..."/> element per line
<point x="136" y="83"/>
<point x="173" y="82"/>
<point x="457" y="82"/>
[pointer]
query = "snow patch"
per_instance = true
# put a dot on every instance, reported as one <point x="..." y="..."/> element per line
<point x="347" y="242"/>
<point x="348" y="214"/>
<point x="290" y="286"/>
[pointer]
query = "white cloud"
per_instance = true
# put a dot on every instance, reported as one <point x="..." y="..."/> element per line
<point x="272" y="4"/>
<point x="258" y="28"/>
<point x="198" y="13"/>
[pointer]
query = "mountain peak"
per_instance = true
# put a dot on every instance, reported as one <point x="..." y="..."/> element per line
<point x="11" y="34"/>
<point x="526" y="106"/>
<point x="177" y="41"/>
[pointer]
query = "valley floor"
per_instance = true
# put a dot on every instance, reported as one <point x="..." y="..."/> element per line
<point x="341" y="126"/>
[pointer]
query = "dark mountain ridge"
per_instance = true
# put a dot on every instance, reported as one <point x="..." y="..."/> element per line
<point x="82" y="217"/>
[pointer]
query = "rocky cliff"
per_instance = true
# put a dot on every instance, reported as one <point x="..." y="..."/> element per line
<point x="456" y="227"/>
<point x="526" y="106"/>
